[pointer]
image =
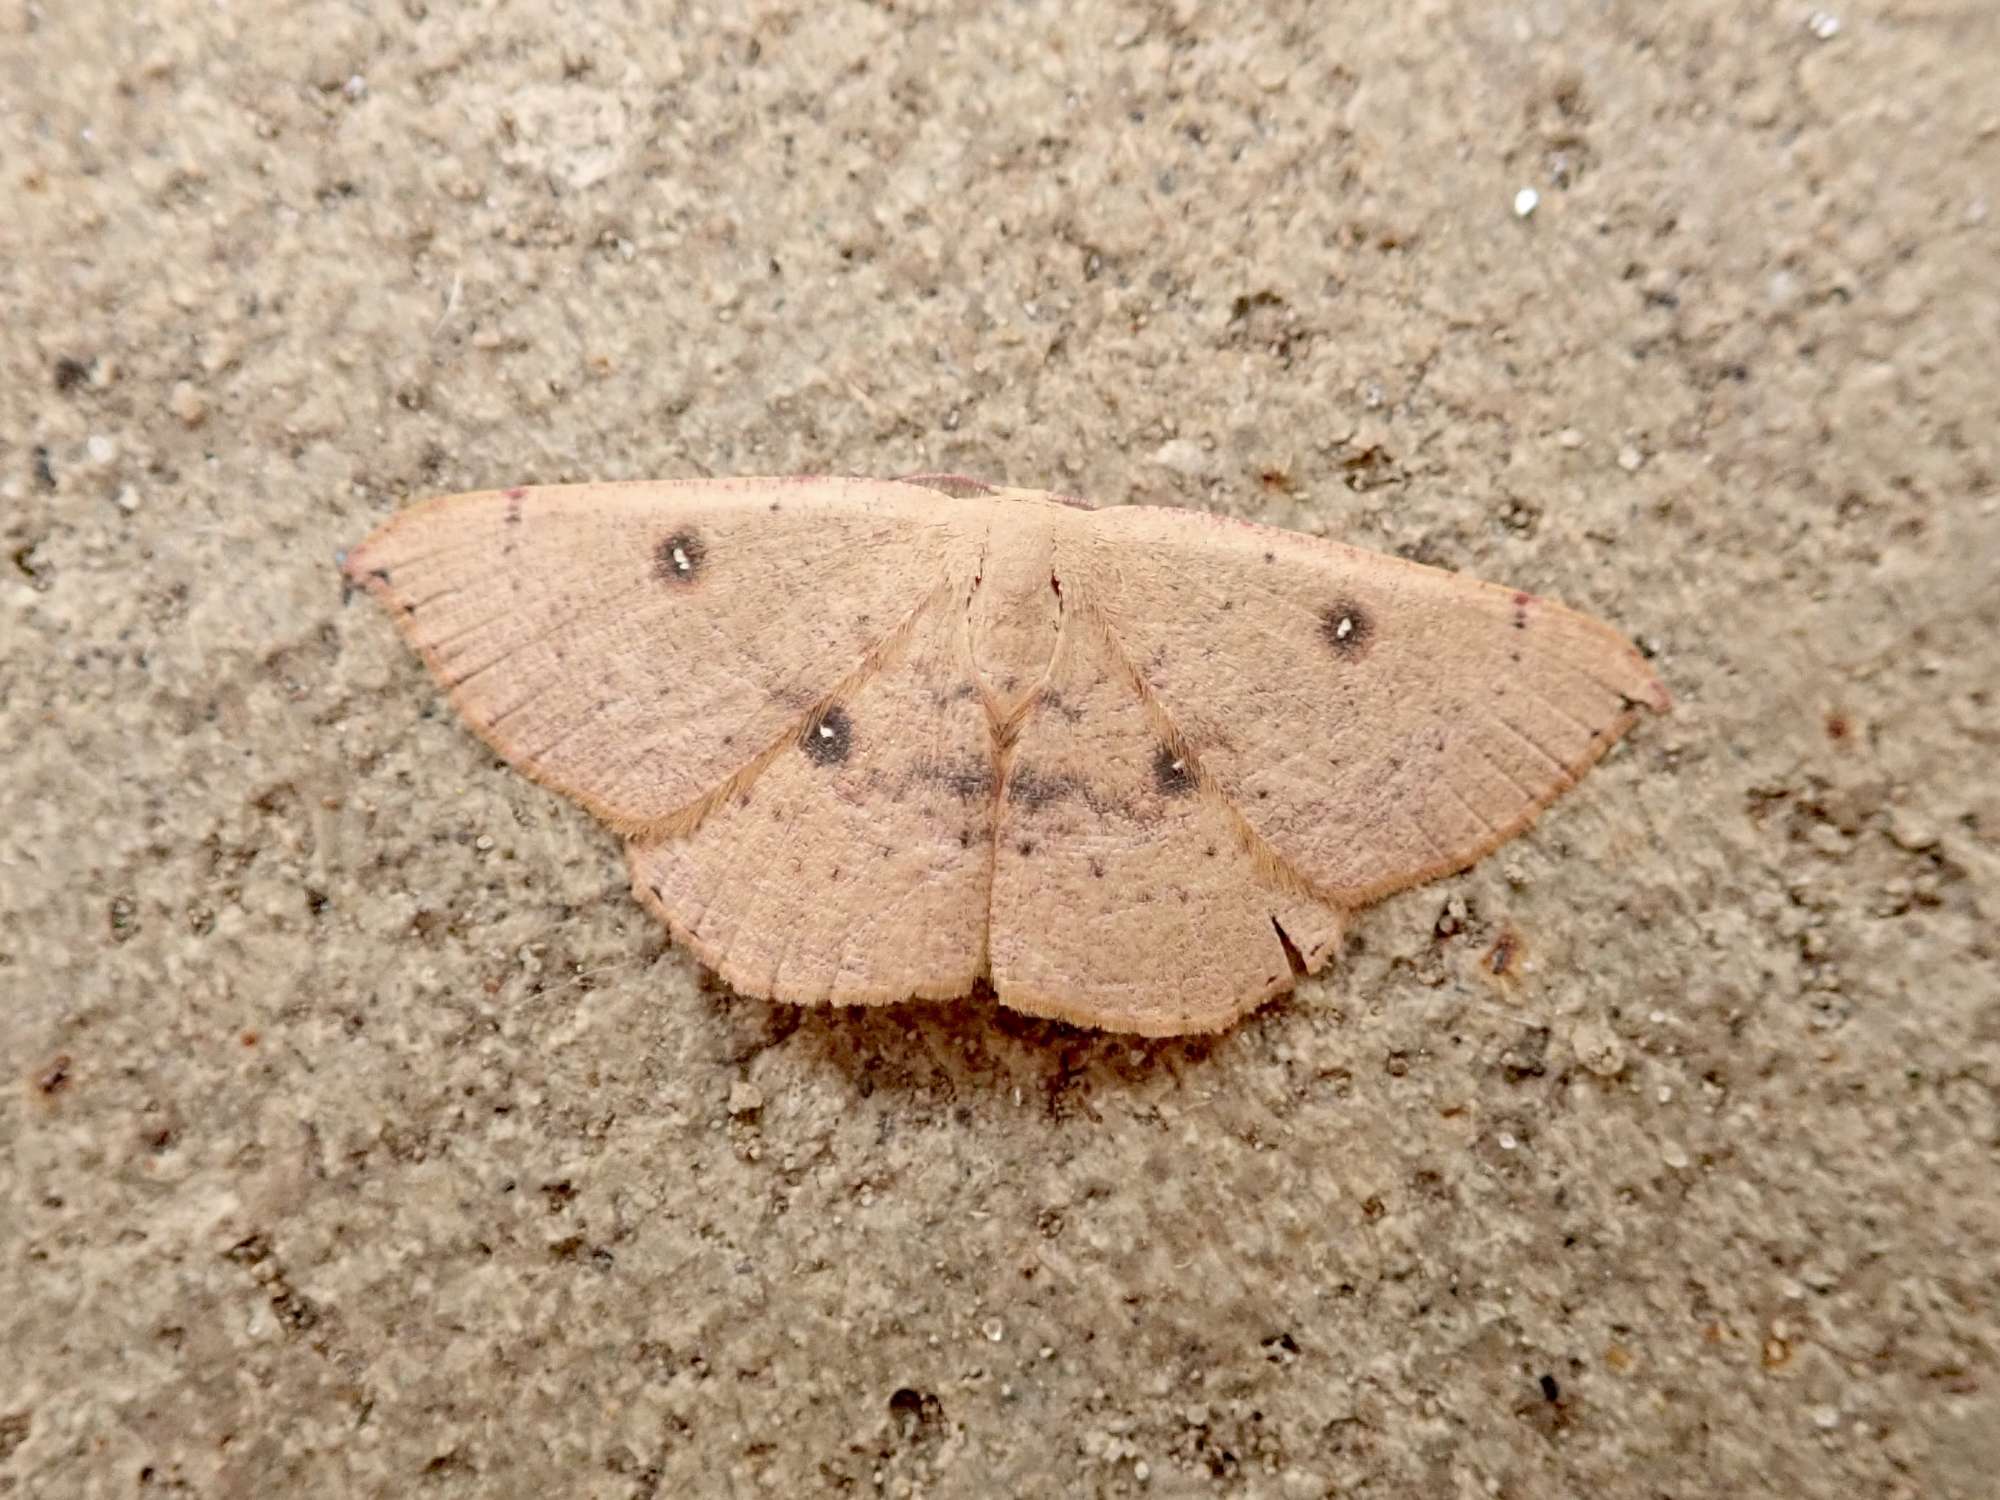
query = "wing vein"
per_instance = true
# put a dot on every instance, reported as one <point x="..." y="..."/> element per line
<point x="1444" y="855"/>
<point x="411" y="606"/>
<point x="1562" y="769"/>
<point x="1505" y="775"/>
<point x="684" y="820"/>
<point x="1158" y="712"/>
<point x="1467" y="803"/>
<point x="1556" y="708"/>
<point x="1603" y="685"/>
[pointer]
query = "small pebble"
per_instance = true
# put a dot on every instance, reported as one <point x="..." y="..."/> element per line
<point x="1525" y="202"/>
<point x="1674" y="1154"/>
<point x="1629" y="459"/>
<point x="1570" y="438"/>
<point x="1597" y="1047"/>
<point x="1823" y="24"/>
<point x="1783" y="290"/>
<point x="1180" y="455"/>
<point x="1911" y="832"/>
<point x="188" y="404"/>
<point x="994" y="1330"/>
<point x="745" y="1098"/>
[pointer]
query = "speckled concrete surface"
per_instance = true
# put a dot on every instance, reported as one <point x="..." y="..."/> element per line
<point x="365" y="1138"/>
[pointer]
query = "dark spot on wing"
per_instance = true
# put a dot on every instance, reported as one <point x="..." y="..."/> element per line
<point x="1347" y="628"/>
<point x="381" y="575"/>
<point x="1838" y="727"/>
<point x="828" y="737"/>
<point x="1521" y="603"/>
<point x="1270" y="557"/>
<point x="680" y="558"/>
<point x="1029" y="789"/>
<point x="1027" y="847"/>
<point x="1055" y="703"/>
<point x="1172" y="776"/>
<point x="968" y="779"/>
<point x="514" y="505"/>
<point x="945" y="697"/>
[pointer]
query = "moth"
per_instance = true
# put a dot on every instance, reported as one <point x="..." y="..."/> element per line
<point x="875" y="740"/>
